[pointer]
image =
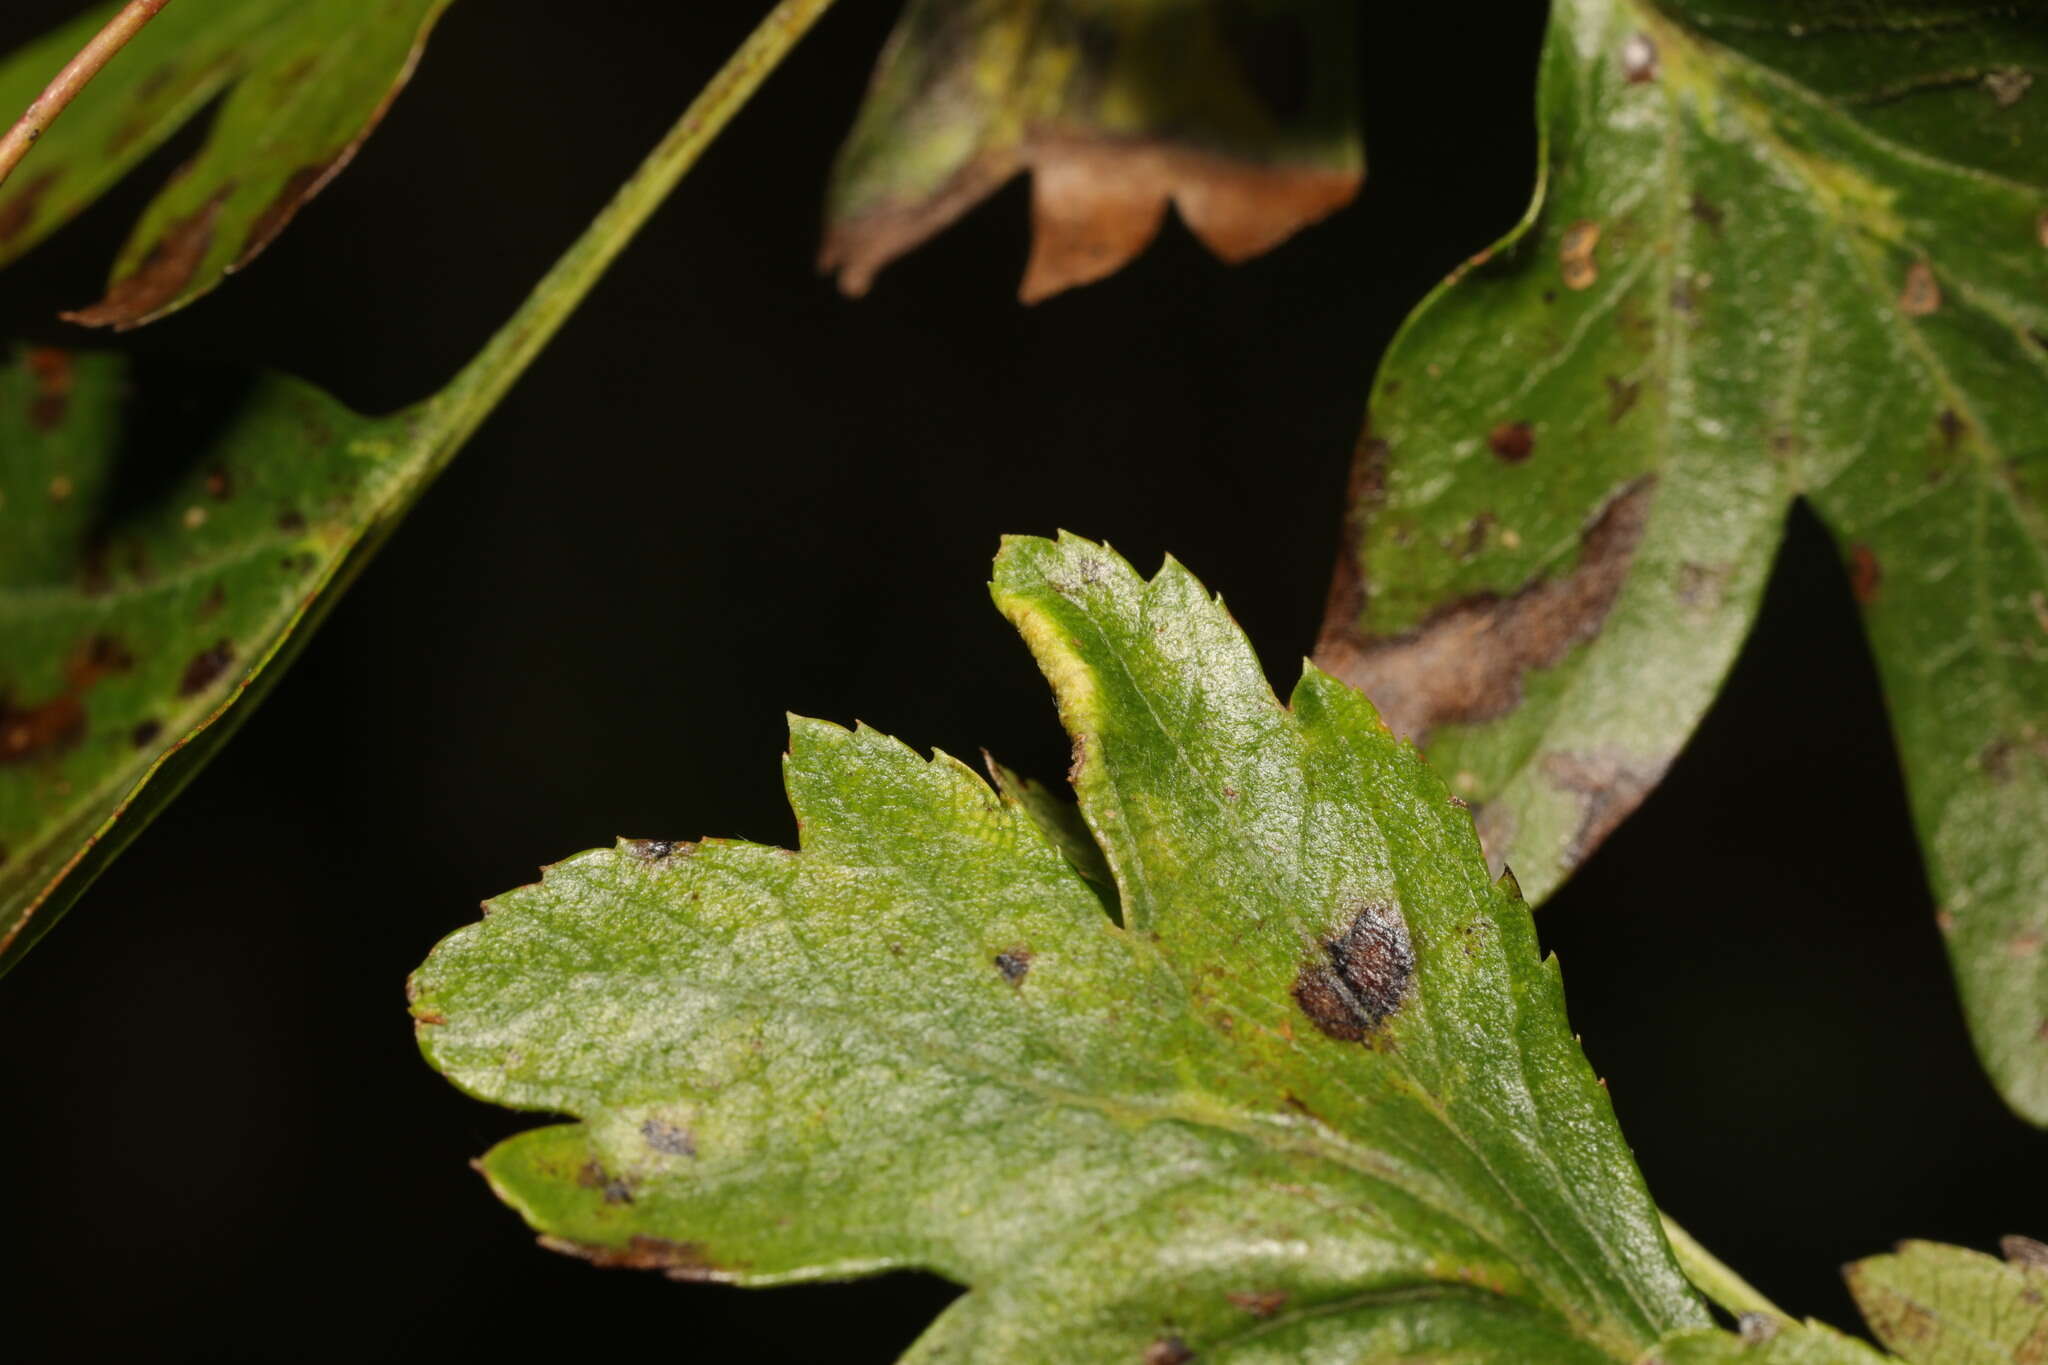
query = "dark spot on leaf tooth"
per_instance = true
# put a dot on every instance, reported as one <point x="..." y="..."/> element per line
<point x="20" y="211"/>
<point x="1362" y="977"/>
<point x="1621" y="396"/>
<point x="2024" y="1252"/>
<point x="651" y="850"/>
<point x="1866" y="575"/>
<point x="1513" y="442"/>
<point x="1465" y="663"/>
<point x="1013" y="963"/>
<point x="668" y="1139"/>
<point x="1705" y="212"/>
<point x="206" y="667"/>
<point x="166" y="272"/>
<point x="145" y="733"/>
<point x="1952" y="427"/>
<point x="1259" y="1303"/>
<point x="1168" y="1350"/>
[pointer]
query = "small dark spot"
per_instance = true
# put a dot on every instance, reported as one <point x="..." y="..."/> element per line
<point x="1168" y="1350"/>
<point x="1362" y="976"/>
<point x="1230" y="793"/>
<point x="1682" y="298"/>
<point x="205" y="669"/>
<point x="1550" y="296"/>
<point x="291" y="522"/>
<point x="1513" y="442"/>
<point x="1013" y="963"/>
<point x="3" y="855"/>
<point x="1260" y="1303"/>
<point x="1474" y="539"/>
<point x="1621" y="396"/>
<point x="652" y="850"/>
<point x="594" y="1176"/>
<point x="1705" y="212"/>
<point x="678" y="1260"/>
<point x="20" y="211"/>
<point x="1784" y="445"/>
<point x="219" y="485"/>
<point x="668" y="1139"/>
<point x="53" y="374"/>
<point x="145" y="733"/>
<point x="1952" y="427"/>
<point x="215" y="600"/>
<point x="1866" y="575"/>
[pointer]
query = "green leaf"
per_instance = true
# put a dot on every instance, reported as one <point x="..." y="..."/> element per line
<point x="149" y="595"/>
<point x="1315" y="1097"/>
<point x="1765" y="1341"/>
<point x="1240" y="113"/>
<point x="1943" y="1305"/>
<point x="301" y="84"/>
<point x="1779" y="251"/>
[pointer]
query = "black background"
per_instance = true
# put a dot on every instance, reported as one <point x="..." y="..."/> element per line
<point x="727" y="491"/>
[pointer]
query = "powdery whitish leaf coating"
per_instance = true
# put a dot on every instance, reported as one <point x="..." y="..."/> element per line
<point x="1314" y="1099"/>
<point x="1780" y="251"/>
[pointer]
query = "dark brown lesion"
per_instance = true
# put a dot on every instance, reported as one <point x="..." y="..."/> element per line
<point x="166" y="272"/>
<point x="48" y="728"/>
<point x="1360" y="977"/>
<point x="677" y="1260"/>
<point x="1466" y="663"/>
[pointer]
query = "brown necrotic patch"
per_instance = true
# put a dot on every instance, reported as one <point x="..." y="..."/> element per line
<point x="1360" y="976"/>
<point x="50" y="727"/>
<point x="1465" y="664"/>
<point x="163" y="276"/>
<point x="1013" y="963"/>
<point x="1512" y="442"/>
<point x="677" y="1260"/>
<point x="205" y="669"/>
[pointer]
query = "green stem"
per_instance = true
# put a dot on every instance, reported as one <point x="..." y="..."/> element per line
<point x="1720" y="1284"/>
<point x="458" y="409"/>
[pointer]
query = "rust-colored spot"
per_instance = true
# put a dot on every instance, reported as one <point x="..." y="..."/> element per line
<point x="33" y="732"/>
<point x="1610" y="784"/>
<point x="1621" y="397"/>
<point x="1921" y="294"/>
<point x="219" y="485"/>
<point x="1575" y="254"/>
<point x="20" y="211"/>
<point x="205" y="669"/>
<point x="52" y="374"/>
<point x="1945" y="921"/>
<point x="1013" y="963"/>
<point x="677" y="1260"/>
<point x="1866" y="575"/>
<point x="166" y="272"/>
<point x="1168" y="1350"/>
<point x="1263" y="1303"/>
<point x="1360" y="977"/>
<point x="668" y="1139"/>
<point x="1096" y="204"/>
<point x="1512" y="442"/>
<point x="1466" y="663"/>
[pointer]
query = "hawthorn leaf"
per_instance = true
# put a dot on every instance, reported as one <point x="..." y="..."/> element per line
<point x="1766" y="1341"/>
<point x="156" y="576"/>
<point x="301" y="84"/>
<point x="1778" y="251"/>
<point x="1242" y="114"/>
<point x="1943" y="1305"/>
<point x="1314" y="1097"/>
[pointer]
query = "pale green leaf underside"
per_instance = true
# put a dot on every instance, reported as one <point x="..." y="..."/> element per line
<point x="1780" y="251"/>
<point x="301" y="83"/>
<point x="921" y="1041"/>
<point x="1944" y="1305"/>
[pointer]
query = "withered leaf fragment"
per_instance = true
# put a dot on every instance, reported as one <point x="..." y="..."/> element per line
<point x="1240" y="113"/>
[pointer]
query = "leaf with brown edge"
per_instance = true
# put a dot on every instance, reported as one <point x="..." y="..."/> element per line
<point x="1778" y="253"/>
<point x="1239" y="113"/>
<point x="301" y="84"/>
<point x="1935" y="1304"/>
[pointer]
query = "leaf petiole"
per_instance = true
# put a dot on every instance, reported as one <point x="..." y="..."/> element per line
<point x="1722" y="1286"/>
<point x="76" y="75"/>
